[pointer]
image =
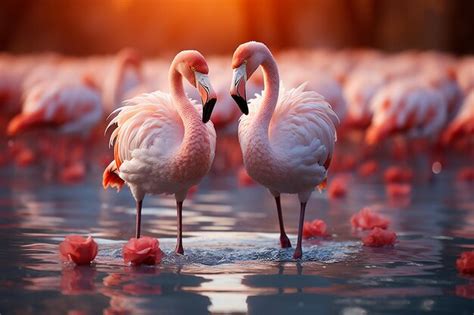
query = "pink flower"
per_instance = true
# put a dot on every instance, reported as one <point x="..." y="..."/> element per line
<point x="338" y="187"/>
<point x="365" y="219"/>
<point x="78" y="249"/>
<point x="144" y="250"/>
<point x="74" y="172"/>
<point x="398" y="190"/>
<point x="368" y="168"/>
<point x="314" y="229"/>
<point x="379" y="237"/>
<point x="396" y="174"/>
<point x="465" y="263"/>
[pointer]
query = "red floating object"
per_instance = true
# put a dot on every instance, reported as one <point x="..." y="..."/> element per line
<point x="314" y="229"/>
<point x="397" y="174"/>
<point x="73" y="173"/>
<point x="338" y="187"/>
<point x="365" y="219"/>
<point x="465" y="263"/>
<point x="379" y="237"/>
<point x="78" y="249"/>
<point x="395" y="190"/>
<point x="144" y="250"/>
<point x="368" y="168"/>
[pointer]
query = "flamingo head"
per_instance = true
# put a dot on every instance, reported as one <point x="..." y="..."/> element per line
<point x="193" y="67"/>
<point x="247" y="58"/>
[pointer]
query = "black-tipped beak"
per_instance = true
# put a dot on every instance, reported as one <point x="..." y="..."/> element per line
<point x="208" y="96"/>
<point x="207" y="109"/>
<point x="237" y="88"/>
<point x="242" y="103"/>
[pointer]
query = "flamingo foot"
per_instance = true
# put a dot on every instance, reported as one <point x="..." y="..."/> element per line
<point x="179" y="249"/>
<point x="298" y="253"/>
<point x="284" y="241"/>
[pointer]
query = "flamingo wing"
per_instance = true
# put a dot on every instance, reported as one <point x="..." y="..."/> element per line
<point x="148" y="121"/>
<point x="303" y="128"/>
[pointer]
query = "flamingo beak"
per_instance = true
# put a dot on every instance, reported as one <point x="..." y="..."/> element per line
<point x="208" y="96"/>
<point x="237" y="88"/>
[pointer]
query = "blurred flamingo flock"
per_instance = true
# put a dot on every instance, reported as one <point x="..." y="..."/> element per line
<point x="388" y="229"/>
<point x="389" y="105"/>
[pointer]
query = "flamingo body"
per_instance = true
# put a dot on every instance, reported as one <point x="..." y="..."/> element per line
<point x="287" y="138"/>
<point x="162" y="146"/>
<point x="148" y="146"/>
<point x="301" y="138"/>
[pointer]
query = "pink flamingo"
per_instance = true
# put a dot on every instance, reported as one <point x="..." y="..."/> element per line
<point x="288" y="137"/>
<point x="407" y="106"/>
<point x="161" y="143"/>
<point x="71" y="106"/>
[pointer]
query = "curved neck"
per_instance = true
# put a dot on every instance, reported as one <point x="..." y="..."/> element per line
<point x="183" y="105"/>
<point x="259" y="127"/>
<point x="271" y="81"/>
<point x="194" y="128"/>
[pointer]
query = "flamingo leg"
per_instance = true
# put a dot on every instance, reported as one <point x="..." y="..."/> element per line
<point x="138" y="222"/>
<point x="298" y="251"/>
<point x="284" y="240"/>
<point x="179" y="242"/>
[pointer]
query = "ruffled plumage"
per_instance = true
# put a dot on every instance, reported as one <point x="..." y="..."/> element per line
<point x="302" y="133"/>
<point x="148" y="135"/>
<point x="407" y="106"/>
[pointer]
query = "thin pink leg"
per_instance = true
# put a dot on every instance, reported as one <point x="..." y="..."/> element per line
<point x="284" y="240"/>
<point x="298" y="251"/>
<point x="138" y="221"/>
<point x="179" y="242"/>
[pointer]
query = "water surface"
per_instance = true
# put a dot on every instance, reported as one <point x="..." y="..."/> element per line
<point x="232" y="261"/>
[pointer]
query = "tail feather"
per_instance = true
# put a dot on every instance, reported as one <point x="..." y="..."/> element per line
<point x="110" y="177"/>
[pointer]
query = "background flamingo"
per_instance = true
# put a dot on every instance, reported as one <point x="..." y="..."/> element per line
<point x="410" y="107"/>
<point x="72" y="108"/>
<point x="161" y="143"/>
<point x="287" y="139"/>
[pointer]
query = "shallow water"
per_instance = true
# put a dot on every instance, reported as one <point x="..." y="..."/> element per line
<point x="232" y="261"/>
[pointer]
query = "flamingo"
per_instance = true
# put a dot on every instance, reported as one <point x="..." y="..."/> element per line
<point x="71" y="106"/>
<point x="408" y="106"/>
<point x="288" y="137"/>
<point x="161" y="143"/>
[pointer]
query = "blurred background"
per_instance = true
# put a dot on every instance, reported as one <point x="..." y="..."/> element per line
<point x="159" y="27"/>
